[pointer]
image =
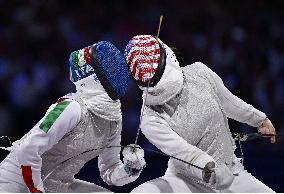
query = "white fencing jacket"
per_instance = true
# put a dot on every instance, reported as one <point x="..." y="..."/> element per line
<point x="193" y="125"/>
<point x="57" y="147"/>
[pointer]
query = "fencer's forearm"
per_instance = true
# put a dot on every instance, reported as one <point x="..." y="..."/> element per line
<point x="112" y="171"/>
<point x="30" y="160"/>
<point x="239" y="110"/>
<point x="111" y="167"/>
<point x="120" y="177"/>
<point x="163" y="137"/>
<point x="233" y="106"/>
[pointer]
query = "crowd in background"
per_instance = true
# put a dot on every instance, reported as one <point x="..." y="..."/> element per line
<point x="243" y="42"/>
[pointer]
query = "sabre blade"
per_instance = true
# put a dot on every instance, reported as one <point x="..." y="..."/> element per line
<point x="160" y="24"/>
<point x="147" y="91"/>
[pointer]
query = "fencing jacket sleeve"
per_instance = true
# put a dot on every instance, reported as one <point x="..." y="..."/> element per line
<point x="60" y="118"/>
<point x="159" y="133"/>
<point x="233" y="106"/>
<point x="112" y="170"/>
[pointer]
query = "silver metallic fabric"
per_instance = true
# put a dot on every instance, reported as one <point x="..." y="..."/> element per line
<point x="196" y="115"/>
<point x="66" y="158"/>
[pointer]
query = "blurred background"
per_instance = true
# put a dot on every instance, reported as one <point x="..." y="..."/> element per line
<point x="242" y="41"/>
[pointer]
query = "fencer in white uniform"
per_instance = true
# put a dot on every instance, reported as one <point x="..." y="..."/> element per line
<point x="185" y="116"/>
<point x="76" y="129"/>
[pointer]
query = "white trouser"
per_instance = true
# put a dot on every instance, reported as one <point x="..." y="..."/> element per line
<point x="173" y="183"/>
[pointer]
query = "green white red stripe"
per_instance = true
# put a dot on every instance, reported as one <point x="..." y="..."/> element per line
<point x="53" y="116"/>
<point x="81" y="57"/>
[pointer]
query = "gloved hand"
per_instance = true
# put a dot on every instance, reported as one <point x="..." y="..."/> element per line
<point x="220" y="177"/>
<point x="133" y="158"/>
<point x="267" y="128"/>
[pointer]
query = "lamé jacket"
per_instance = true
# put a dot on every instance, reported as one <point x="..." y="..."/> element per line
<point x="55" y="150"/>
<point x="193" y="125"/>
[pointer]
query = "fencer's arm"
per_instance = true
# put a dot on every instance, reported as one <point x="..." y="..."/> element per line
<point x="159" y="133"/>
<point x="59" y="120"/>
<point x="233" y="106"/>
<point x="112" y="170"/>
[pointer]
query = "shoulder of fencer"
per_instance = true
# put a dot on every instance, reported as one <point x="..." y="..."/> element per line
<point x="152" y="115"/>
<point x="199" y="65"/>
<point x="197" y="68"/>
<point x="150" y="112"/>
<point x="72" y="109"/>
